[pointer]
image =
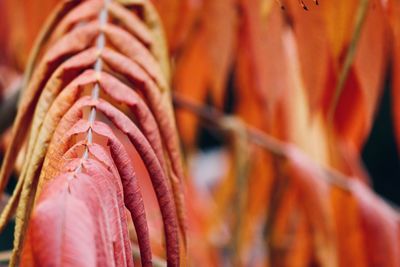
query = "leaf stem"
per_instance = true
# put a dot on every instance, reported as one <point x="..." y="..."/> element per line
<point x="242" y="162"/>
<point x="100" y="44"/>
<point x="351" y="52"/>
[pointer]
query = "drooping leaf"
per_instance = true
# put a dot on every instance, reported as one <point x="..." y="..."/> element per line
<point x="75" y="249"/>
<point x="83" y="48"/>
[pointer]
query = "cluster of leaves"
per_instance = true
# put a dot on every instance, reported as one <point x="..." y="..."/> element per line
<point x="96" y="87"/>
<point x="306" y="78"/>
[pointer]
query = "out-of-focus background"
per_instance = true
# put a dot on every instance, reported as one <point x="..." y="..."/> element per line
<point x="289" y="118"/>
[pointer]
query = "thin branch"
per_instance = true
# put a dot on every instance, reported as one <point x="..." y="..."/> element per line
<point x="214" y="117"/>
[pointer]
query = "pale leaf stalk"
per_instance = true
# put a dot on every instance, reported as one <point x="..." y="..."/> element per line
<point x="98" y="66"/>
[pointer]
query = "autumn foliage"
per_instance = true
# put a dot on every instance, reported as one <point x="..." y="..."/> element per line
<point x="72" y="150"/>
<point x="102" y="174"/>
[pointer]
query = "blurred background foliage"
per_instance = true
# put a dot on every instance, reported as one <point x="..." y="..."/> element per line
<point x="287" y="111"/>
